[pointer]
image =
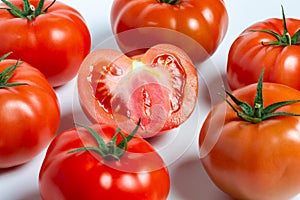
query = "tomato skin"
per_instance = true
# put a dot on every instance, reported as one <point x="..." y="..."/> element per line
<point x="247" y="56"/>
<point x="254" y="161"/>
<point x="111" y="69"/>
<point x="30" y="115"/>
<point x="86" y="175"/>
<point x="55" y="42"/>
<point x="190" y="17"/>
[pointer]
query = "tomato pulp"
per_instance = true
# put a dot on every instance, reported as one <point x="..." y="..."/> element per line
<point x="160" y="87"/>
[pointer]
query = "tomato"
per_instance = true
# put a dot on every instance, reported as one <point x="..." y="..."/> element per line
<point x="55" y="41"/>
<point x="255" y="49"/>
<point x="204" y="21"/>
<point x="30" y="113"/>
<point x="160" y="87"/>
<point x="70" y="171"/>
<point x="259" y="158"/>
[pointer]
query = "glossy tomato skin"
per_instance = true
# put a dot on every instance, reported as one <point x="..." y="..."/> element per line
<point x="254" y="161"/>
<point x="248" y="56"/>
<point x="204" y="21"/>
<point x="30" y="115"/>
<point x="55" y="42"/>
<point x="164" y="84"/>
<point x="139" y="174"/>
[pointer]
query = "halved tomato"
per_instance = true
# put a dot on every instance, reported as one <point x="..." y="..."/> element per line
<point x="159" y="87"/>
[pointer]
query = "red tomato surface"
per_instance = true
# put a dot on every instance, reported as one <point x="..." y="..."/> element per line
<point x="160" y="87"/>
<point x="254" y="161"/>
<point x="139" y="174"/>
<point x="30" y="115"/>
<point x="248" y="56"/>
<point x="204" y="21"/>
<point x="55" y="42"/>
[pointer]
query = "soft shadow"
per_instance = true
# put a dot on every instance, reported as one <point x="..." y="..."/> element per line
<point x="99" y="37"/>
<point x="212" y="83"/>
<point x="11" y="169"/>
<point x="70" y="118"/>
<point x="66" y="122"/>
<point x="33" y="195"/>
<point x="190" y="182"/>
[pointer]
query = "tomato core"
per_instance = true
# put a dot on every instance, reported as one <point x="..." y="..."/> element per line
<point x="105" y="81"/>
<point x="159" y="87"/>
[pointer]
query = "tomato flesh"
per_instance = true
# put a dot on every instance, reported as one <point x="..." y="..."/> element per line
<point x="158" y="87"/>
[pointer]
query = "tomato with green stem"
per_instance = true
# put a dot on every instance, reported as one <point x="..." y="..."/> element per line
<point x="272" y="44"/>
<point x="254" y="152"/>
<point x="30" y="112"/>
<point x="48" y="35"/>
<point x="205" y="22"/>
<point x="100" y="162"/>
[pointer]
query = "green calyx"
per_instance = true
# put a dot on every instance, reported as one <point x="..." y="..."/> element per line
<point x="6" y="74"/>
<point x="258" y="113"/>
<point x="29" y="11"/>
<point x="171" y="2"/>
<point x="111" y="150"/>
<point x="285" y="39"/>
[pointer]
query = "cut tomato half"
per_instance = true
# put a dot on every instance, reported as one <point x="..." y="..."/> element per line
<point x="159" y="87"/>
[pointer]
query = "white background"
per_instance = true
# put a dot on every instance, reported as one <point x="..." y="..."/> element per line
<point x="188" y="179"/>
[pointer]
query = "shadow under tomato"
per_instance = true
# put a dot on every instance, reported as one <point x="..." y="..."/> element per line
<point x="190" y="182"/>
<point x="66" y="123"/>
<point x="33" y="195"/>
<point x="10" y="169"/>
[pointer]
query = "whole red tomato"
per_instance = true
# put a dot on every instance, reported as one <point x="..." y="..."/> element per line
<point x="160" y="87"/>
<point x="30" y="113"/>
<point x="98" y="163"/>
<point x="272" y="44"/>
<point x="204" y="21"/>
<point x="53" y="38"/>
<point x="254" y="154"/>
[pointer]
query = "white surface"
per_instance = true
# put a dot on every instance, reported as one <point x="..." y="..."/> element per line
<point x="188" y="179"/>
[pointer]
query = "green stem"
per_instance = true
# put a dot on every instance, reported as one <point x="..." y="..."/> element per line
<point x="6" y="75"/>
<point x="111" y="150"/>
<point x="258" y="112"/>
<point x="39" y="8"/>
<point x="29" y="11"/>
<point x="171" y="2"/>
<point x="282" y="40"/>
<point x="51" y="4"/>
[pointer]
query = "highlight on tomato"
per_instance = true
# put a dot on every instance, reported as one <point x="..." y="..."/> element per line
<point x="160" y="87"/>
<point x="30" y="113"/>
<point x="100" y="162"/>
<point x="254" y="153"/>
<point x="47" y="34"/>
<point x="148" y="22"/>
<point x="272" y="44"/>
